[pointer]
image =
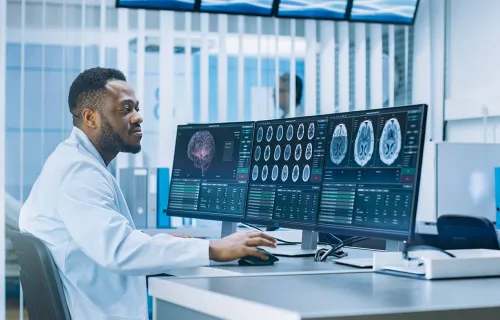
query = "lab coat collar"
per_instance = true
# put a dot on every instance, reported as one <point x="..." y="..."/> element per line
<point x="81" y="138"/>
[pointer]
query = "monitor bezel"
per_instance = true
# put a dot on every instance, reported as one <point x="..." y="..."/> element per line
<point x="277" y="14"/>
<point x="383" y="22"/>
<point x="119" y="5"/>
<point x="285" y="223"/>
<point x="204" y="214"/>
<point x="380" y="233"/>
<point x="251" y="14"/>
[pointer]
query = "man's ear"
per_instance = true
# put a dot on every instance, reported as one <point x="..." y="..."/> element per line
<point x="90" y="118"/>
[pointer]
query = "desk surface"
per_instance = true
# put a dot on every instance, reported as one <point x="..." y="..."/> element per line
<point x="330" y="296"/>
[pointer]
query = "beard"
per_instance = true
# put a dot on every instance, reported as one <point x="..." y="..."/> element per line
<point x="112" y="142"/>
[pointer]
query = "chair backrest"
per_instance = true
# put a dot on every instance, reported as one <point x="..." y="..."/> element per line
<point x="40" y="280"/>
<point x="466" y="232"/>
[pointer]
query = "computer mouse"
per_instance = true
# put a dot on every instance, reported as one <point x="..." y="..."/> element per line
<point x="255" y="261"/>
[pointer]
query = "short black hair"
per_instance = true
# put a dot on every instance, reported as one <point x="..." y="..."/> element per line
<point x="298" y="86"/>
<point x="87" y="89"/>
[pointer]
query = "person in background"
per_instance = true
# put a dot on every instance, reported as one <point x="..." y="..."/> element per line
<point x="77" y="209"/>
<point x="284" y="96"/>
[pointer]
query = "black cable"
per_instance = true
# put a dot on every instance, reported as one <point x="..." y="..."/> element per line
<point x="277" y="239"/>
<point x="323" y="254"/>
<point x="408" y="249"/>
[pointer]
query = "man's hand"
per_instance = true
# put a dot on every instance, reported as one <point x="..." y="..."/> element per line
<point x="239" y="245"/>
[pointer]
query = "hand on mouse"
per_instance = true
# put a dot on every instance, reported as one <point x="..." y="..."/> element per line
<point x="239" y="245"/>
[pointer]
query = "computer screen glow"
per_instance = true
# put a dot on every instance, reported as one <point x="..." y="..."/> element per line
<point x="158" y="4"/>
<point x="385" y="11"/>
<point x="314" y="9"/>
<point x="253" y="7"/>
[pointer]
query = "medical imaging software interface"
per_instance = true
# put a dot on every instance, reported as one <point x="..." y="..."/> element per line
<point x="286" y="170"/>
<point x="370" y="170"/>
<point x="210" y="170"/>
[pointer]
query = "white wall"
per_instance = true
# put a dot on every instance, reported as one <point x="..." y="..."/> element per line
<point x="473" y="70"/>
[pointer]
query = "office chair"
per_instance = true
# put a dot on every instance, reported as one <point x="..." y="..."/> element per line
<point x="40" y="280"/>
<point x="465" y="232"/>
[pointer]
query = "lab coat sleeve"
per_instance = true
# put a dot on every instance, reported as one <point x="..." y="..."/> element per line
<point x="87" y="209"/>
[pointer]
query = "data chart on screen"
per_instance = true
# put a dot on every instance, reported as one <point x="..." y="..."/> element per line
<point x="210" y="170"/>
<point x="371" y="168"/>
<point x="286" y="170"/>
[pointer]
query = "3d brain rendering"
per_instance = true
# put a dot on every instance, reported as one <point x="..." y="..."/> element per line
<point x="201" y="150"/>
<point x="390" y="142"/>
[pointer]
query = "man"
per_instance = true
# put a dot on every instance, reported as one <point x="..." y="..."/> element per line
<point x="284" y="96"/>
<point x="77" y="209"/>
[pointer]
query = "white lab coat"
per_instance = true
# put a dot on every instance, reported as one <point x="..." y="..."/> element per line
<point x="77" y="208"/>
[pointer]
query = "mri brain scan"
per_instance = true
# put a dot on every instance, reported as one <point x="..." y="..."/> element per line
<point x="265" y="172"/>
<point x="309" y="151"/>
<point x="289" y="132"/>
<point x="269" y="134"/>
<point x="338" y="146"/>
<point x="390" y="142"/>
<point x="306" y="173"/>
<point x="288" y="152"/>
<point x="257" y="153"/>
<point x="201" y="150"/>
<point x="267" y="153"/>
<point x="310" y="131"/>
<point x="295" y="173"/>
<point x="298" y="152"/>
<point x="364" y="144"/>
<point x="260" y="134"/>
<point x="300" y="131"/>
<point x="284" y="173"/>
<point x="279" y="133"/>
<point x="255" y="172"/>
<point x="277" y="153"/>
<point x="274" y="173"/>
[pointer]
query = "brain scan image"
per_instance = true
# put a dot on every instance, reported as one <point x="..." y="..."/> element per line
<point x="295" y="173"/>
<point x="298" y="152"/>
<point x="288" y="152"/>
<point x="364" y="144"/>
<point x="269" y="134"/>
<point x="260" y="134"/>
<point x="284" y="173"/>
<point x="257" y="153"/>
<point x="274" y="173"/>
<point x="300" y="131"/>
<point x="264" y="173"/>
<point x="289" y="132"/>
<point x="306" y="173"/>
<point x="201" y="150"/>
<point x="310" y="131"/>
<point x="277" y="153"/>
<point x="309" y="151"/>
<point x="390" y="142"/>
<point x="267" y="153"/>
<point x="338" y="145"/>
<point x="255" y="172"/>
<point x="279" y="133"/>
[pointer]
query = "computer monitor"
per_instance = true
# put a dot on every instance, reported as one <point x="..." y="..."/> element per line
<point x="174" y="5"/>
<point x="371" y="173"/>
<point x="248" y="7"/>
<point x="210" y="172"/>
<point x="286" y="172"/>
<point x="315" y="9"/>
<point x="384" y="11"/>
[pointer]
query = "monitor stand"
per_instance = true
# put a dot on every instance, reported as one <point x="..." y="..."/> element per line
<point x="228" y="228"/>
<point x="307" y="247"/>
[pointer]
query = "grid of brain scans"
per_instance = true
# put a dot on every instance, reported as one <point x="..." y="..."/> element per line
<point x="286" y="169"/>
<point x="370" y="170"/>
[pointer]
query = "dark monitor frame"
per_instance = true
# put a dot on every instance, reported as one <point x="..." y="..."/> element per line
<point x="380" y="233"/>
<point x="348" y="17"/>
<point x="345" y="18"/>
<point x="312" y="226"/>
<point x="119" y="4"/>
<point x="207" y="215"/>
<point x="252" y="14"/>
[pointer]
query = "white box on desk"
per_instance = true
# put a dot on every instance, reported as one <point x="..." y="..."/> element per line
<point x="437" y="265"/>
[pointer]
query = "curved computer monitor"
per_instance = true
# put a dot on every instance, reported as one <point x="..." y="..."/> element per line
<point x="210" y="171"/>
<point x="371" y="173"/>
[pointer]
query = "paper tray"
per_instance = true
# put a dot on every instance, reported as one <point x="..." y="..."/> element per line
<point x="431" y="264"/>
